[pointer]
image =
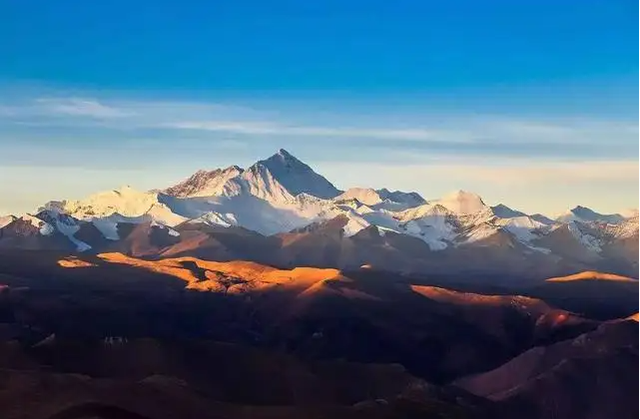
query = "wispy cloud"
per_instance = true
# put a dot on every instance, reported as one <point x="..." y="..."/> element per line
<point x="265" y="128"/>
<point x="477" y="135"/>
<point x="81" y="107"/>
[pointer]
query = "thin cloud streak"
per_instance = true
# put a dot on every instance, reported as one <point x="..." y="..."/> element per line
<point x="83" y="107"/>
<point x="213" y="117"/>
<point x="306" y="131"/>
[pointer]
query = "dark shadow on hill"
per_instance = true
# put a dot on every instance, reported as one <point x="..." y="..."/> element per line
<point x="96" y="411"/>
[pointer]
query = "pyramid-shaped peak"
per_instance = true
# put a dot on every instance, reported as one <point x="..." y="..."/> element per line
<point x="284" y="153"/>
<point x="503" y="211"/>
<point x="581" y="213"/>
<point x="294" y="175"/>
<point x="283" y="157"/>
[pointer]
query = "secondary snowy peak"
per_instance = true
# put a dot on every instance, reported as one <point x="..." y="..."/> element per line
<point x="433" y="223"/>
<point x="462" y="202"/>
<point x="585" y="214"/>
<point x="124" y="204"/>
<point x="381" y="199"/>
<point x="367" y="196"/>
<point x="204" y="183"/>
<point x="504" y="211"/>
<point x="426" y="210"/>
<point x="295" y="176"/>
<point x="410" y="199"/>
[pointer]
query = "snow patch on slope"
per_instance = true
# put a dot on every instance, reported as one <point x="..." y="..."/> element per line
<point x="524" y="228"/>
<point x="204" y="183"/>
<point x="354" y="225"/>
<point x="366" y="196"/>
<point x="431" y="223"/>
<point x="587" y="240"/>
<point x="43" y="227"/>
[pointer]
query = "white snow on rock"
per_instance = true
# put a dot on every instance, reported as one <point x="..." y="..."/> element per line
<point x="523" y="227"/>
<point x="355" y="224"/>
<point x="589" y="241"/>
<point x="297" y="177"/>
<point x="214" y="218"/>
<point x="43" y="227"/>
<point x="431" y="223"/>
<point x="585" y="214"/>
<point x="402" y="199"/>
<point x="478" y="233"/>
<point x="367" y="196"/>
<point x="624" y="230"/>
<point x="462" y="202"/>
<point x="125" y="201"/>
<point x="204" y="183"/>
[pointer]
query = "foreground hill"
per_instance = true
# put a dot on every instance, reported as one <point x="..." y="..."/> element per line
<point x="591" y="376"/>
<point x="598" y="294"/>
<point x="142" y="332"/>
<point x="320" y="313"/>
<point x="147" y="378"/>
<point x="592" y="276"/>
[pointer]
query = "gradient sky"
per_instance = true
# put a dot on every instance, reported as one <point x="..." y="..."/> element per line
<point x="530" y="103"/>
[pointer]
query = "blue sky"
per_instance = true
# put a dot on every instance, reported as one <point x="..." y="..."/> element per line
<point x="531" y="103"/>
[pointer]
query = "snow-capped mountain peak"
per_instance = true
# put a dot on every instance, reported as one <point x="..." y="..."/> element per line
<point x="463" y="202"/>
<point x="204" y="183"/>
<point x="367" y="196"/>
<point x="504" y="211"/>
<point x="296" y="176"/>
<point x="580" y="213"/>
<point x="410" y="199"/>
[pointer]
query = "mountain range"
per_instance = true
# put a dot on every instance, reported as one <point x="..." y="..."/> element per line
<point x="281" y="212"/>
